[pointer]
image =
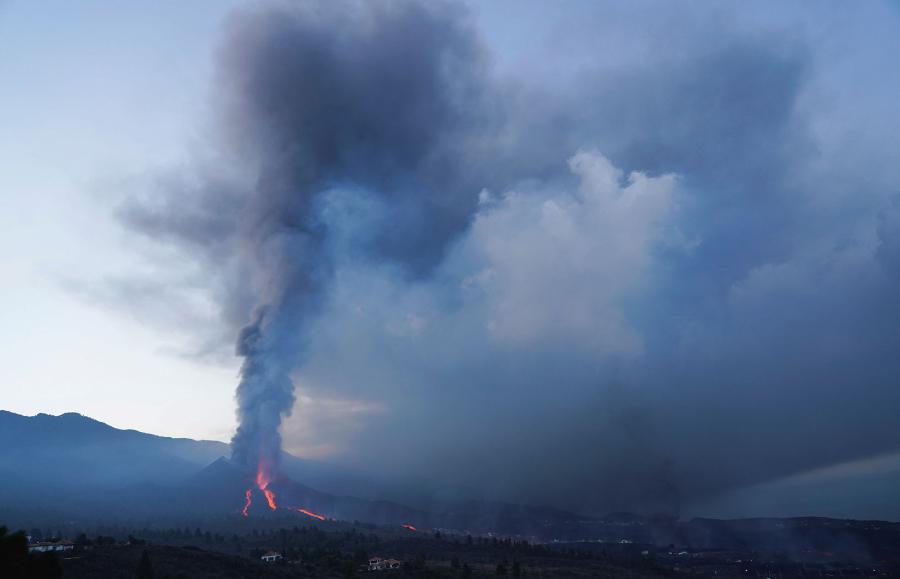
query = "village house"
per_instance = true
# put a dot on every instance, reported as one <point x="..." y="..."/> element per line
<point x="271" y="556"/>
<point x="45" y="546"/>
<point x="379" y="564"/>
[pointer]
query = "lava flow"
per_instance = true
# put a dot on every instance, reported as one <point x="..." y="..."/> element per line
<point x="262" y="481"/>
<point x="410" y="527"/>
<point x="311" y="514"/>
<point x="270" y="498"/>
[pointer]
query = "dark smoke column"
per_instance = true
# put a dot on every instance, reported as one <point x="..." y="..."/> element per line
<point x="384" y="99"/>
<point x="265" y="396"/>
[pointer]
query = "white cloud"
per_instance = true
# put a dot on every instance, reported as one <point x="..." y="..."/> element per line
<point x="557" y="266"/>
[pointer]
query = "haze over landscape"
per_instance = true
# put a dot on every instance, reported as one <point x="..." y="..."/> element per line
<point x="489" y="268"/>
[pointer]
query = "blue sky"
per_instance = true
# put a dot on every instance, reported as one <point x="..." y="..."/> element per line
<point x="96" y="94"/>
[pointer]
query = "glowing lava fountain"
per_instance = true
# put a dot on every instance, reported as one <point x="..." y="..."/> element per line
<point x="262" y="483"/>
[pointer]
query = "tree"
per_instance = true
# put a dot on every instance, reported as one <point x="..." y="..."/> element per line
<point x="145" y="568"/>
<point x="419" y="561"/>
<point x="501" y="569"/>
<point x="516" y="569"/>
<point x="349" y="568"/>
<point x="13" y="554"/>
<point x="466" y="571"/>
<point x="17" y="563"/>
<point x="43" y="566"/>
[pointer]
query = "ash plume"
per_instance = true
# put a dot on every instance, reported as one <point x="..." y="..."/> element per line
<point x="374" y="97"/>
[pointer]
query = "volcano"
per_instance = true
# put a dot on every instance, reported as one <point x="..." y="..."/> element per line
<point x="223" y="487"/>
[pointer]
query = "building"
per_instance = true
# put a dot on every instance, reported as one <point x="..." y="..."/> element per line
<point x="379" y="564"/>
<point x="45" y="546"/>
<point x="271" y="556"/>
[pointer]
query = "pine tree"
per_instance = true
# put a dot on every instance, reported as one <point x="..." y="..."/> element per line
<point x="145" y="568"/>
<point x="43" y="566"/>
<point x="13" y="554"/>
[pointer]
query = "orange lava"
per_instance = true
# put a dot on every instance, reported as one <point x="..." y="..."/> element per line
<point x="410" y="527"/>
<point x="270" y="498"/>
<point x="311" y="514"/>
<point x="263" y="479"/>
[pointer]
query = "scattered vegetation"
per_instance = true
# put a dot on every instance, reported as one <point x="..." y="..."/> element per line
<point x="343" y="550"/>
<point x="17" y="563"/>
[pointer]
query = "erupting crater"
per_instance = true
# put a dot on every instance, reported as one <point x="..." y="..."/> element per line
<point x="263" y="479"/>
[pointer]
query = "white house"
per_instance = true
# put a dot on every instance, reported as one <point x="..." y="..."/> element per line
<point x="271" y="556"/>
<point x="44" y="546"/>
<point x="379" y="564"/>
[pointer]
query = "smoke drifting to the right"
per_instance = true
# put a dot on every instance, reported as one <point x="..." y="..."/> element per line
<point x="611" y="287"/>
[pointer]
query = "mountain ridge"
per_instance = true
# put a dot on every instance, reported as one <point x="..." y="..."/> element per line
<point x="86" y="468"/>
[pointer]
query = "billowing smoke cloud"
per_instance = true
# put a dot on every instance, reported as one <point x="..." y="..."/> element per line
<point x="383" y="97"/>
<point x="663" y="270"/>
